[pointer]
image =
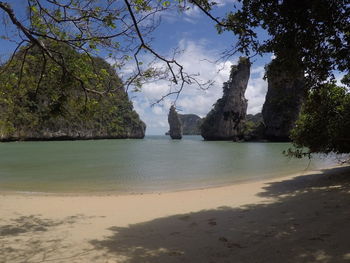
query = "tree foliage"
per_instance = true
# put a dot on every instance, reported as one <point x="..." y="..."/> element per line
<point x="120" y="29"/>
<point x="315" y="33"/>
<point x="324" y="124"/>
<point x="311" y="36"/>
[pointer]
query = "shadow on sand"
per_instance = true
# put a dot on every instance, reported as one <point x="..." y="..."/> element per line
<point x="308" y="220"/>
<point x="23" y="239"/>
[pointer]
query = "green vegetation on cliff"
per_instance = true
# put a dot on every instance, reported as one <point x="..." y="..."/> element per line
<point x="41" y="100"/>
<point x="190" y="124"/>
<point x="254" y="128"/>
<point x="286" y="92"/>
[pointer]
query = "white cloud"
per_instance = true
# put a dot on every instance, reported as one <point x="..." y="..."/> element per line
<point x="191" y="15"/>
<point x="196" y="59"/>
<point x="221" y="3"/>
<point x="256" y="90"/>
<point x="197" y="104"/>
<point x="193" y="11"/>
<point x="154" y="91"/>
<point x="138" y="107"/>
<point x="338" y="77"/>
<point x="158" y="110"/>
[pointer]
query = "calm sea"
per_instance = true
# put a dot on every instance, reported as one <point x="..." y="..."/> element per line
<point x="155" y="163"/>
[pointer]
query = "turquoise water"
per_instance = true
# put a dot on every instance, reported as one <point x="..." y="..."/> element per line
<point x="155" y="163"/>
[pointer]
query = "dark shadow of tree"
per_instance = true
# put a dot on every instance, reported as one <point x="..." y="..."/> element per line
<point x="25" y="224"/>
<point x="309" y="221"/>
<point x="22" y="239"/>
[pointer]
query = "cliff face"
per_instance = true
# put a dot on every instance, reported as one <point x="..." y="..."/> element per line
<point x="57" y="108"/>
<point x="254" y="128"/>
<point x="285" y="95"/>
<point x="190" y="124"/>
<point x="79" y="131"/>
<point x="175" y="125"/>
<point x="226" y="120"/>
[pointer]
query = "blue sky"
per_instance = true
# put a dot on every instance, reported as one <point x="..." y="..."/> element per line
<point x="195" y="35"/>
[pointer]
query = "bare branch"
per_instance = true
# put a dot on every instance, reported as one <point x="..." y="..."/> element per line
<point x="12" y="56"/>
<point x="22" y="65"/>
<point x="216" y="20"/>
<point x="90" y="30"/>
<point x="20" y="26"/>
<point x="43" y="68"/>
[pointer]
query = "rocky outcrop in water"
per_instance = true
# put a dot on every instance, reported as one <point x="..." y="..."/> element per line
<point x="53" y="106"/>
<point x="226" y="120"/>
<point x="285" y="95"/>
<point x="190" y="124"/>
<point x="175" y="125"/>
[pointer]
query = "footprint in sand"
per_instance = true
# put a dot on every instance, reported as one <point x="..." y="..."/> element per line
<point x="321" y="237"/>
<point x="184" y="218"/>
<point x="212" y="222"/>
<point x="230" y="244"/>
<point x="223" y="239"/>
<point x="175" y="253"/>
<point x="193" y="224"/>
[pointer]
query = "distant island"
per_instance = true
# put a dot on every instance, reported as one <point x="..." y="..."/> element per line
<point x="190" y="123"/>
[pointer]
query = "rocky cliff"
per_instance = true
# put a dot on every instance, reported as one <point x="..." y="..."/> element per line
<point x="53" y="105"/>
<point x="254" y="128"/>
<point x="285" y="95"/>
<point x="226" y="120"/>
<point x="190" y="124"/>
<point x="175" y="125"/>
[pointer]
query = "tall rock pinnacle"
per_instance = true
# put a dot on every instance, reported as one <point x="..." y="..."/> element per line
<point x="175" y="125"/>
<point x="285" y="95"/>
<point x="226" y="120"/>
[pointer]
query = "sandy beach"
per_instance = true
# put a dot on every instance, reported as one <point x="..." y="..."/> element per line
<point x="298" y="218"/>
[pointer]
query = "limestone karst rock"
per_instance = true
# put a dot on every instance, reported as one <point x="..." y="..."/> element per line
<point x="284" y="98"/>
<point x="58" y="108"/>
<point x="190" y="124"/>
<point x="175" y="125"/>
<point x="226" y="120"/>
<point x="254" y="128"/>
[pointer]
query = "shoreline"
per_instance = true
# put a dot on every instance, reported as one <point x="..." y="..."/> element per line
<point x="294" y="218"/>
<point x="190" y="189"/>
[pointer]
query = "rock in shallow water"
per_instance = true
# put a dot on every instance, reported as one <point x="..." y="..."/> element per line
<point x="175" y="125"/>
<point x="191" y="124"/>
<point x="226" y="120"/>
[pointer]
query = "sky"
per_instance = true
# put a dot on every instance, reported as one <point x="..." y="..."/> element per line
<point x="194" y="34"/>
<point x="201" y="45"/>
